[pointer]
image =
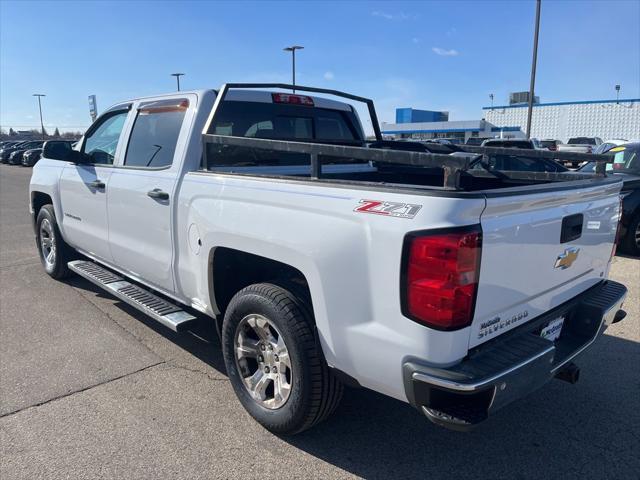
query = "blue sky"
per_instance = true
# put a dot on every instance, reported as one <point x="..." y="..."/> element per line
<point x="430" y="55"/>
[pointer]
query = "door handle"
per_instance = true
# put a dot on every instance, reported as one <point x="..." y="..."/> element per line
<point x="158" y="194"/>
<point x="99" y="184"/>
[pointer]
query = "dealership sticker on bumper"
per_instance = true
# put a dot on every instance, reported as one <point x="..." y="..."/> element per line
<point x="553" y="329"/>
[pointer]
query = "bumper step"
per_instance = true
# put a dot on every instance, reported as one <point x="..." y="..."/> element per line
<point x="152" y="305"/>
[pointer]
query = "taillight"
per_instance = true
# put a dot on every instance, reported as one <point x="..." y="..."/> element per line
<point x="440" y="277"/>
<point x="293" y="99"/>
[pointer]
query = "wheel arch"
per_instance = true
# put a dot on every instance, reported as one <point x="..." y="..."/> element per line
<point x="230" y="270"/>
<point x="38" y="200"/>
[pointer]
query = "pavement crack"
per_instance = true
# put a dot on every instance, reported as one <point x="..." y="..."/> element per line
<point x="84" y="389"/>
<point x="113" y="319"/>
<point x="196" y="370"/>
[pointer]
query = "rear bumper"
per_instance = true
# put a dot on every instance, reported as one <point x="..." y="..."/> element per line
<point x="513" y="365"/>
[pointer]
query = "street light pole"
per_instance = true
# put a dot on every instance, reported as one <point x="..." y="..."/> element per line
<point x="40" y="108"/>
<point x="617" y="94"/>
<point x="293" y="49"/>
<point x="177" y="75"/>
<point x="533" y="68"/>
<point x="491" y="97"/>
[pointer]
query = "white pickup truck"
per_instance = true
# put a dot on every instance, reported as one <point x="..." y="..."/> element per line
<point x="328" y="260"/>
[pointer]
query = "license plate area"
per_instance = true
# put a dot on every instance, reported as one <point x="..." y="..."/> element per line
<point x="553" y="329"/>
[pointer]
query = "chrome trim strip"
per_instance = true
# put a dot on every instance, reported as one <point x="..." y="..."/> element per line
<point x="472" y="387"/>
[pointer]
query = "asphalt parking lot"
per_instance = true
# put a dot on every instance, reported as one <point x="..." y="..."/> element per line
<point x="90" y="388"/>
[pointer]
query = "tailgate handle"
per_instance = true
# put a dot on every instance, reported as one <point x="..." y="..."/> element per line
<point x="571" y="227"/>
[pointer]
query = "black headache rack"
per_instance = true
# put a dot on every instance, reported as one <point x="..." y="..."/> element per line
<point x="386" y="152"/>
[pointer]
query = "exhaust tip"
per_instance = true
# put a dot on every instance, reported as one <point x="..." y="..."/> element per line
<point x="569" y="373"/>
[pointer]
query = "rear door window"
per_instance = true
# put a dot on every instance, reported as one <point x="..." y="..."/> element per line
<point x="155" y="134"/>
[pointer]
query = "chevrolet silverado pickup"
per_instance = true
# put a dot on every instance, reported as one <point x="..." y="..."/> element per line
<point x="325" y="259"/>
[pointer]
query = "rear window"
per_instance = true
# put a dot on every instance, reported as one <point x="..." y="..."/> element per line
<point x="582" y="141"/>
<point x="279" y="122"/>
<point x="286" y="122"/>
<point x="548" y="143"/>
<point x="155" y="134"/>
<point x="509" y="144"/>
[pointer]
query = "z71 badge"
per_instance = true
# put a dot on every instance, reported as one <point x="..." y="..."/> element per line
<point x="391" y="209"/>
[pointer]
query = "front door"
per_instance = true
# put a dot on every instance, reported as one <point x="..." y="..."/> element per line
<point x="83" y="188"/>
<point x="141" y="194"/>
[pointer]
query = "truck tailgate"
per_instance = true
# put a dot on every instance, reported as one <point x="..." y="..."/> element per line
<point x="540" y="250"/>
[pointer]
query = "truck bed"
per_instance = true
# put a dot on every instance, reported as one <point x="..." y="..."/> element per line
<point x="386" y="166"/>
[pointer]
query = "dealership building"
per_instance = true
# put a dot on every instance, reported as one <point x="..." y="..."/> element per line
<point x="563" y="120"/>
<point x="559" y="120"/>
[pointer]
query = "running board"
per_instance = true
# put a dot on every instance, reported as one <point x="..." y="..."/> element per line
<point x="157" y="308"/>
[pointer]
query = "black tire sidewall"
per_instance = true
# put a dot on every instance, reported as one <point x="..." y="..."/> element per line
<point x="292" y="415"/>
<point x="630" y="242"/>
<point x="59" y="267"/>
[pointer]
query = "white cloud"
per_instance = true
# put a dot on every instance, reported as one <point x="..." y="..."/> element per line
<point x="329" y="75"/>
<point x="393" y="16"/>
<point x="445" y="52"/>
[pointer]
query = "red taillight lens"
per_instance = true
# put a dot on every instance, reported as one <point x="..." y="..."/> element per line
<point x="293" y="99"/>
<point x="441" y="277"/>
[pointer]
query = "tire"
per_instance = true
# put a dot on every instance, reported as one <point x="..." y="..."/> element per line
<point x="54" y="252"/>
<point x="631" y="240"/>
<point x="267" y="315"/>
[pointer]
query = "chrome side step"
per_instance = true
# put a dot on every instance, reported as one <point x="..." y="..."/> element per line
<point x="157" y="308"/>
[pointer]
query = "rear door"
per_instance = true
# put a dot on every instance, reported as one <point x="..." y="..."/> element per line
<point x="142" y="192"/>
<point x="83" y="188"/>
<point x="540" y="250"/>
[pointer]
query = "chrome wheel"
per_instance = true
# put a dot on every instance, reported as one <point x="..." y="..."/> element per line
<point x="47" y="243"/>
<point x="263" y="361"/>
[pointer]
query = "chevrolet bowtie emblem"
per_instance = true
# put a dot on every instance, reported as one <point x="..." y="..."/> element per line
<point x="566" y="259"/>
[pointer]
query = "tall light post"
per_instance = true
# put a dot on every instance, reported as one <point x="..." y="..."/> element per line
<point x="293" y="49"/>
<point x="617" y="94"/>
<point x="491" y="97"/>
<point x="533" y="69"/>
<point x="40" y="108"/>
<point x="177" y="75"/>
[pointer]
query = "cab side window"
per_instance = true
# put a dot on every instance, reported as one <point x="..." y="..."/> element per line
<point x="102" y="142"/>
<point x="155" y="134"/>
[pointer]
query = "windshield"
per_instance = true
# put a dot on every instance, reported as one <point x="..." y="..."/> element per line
<point x="582" y="141"/>
<point x="626" y="158"/>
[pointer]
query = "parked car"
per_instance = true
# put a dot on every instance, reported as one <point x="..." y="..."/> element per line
<point x="580" y="145"/>
<point x="475" y="141"/>
<point x="30" y="157"/>
<point x="531" y="144"/>
<point x="550" y="144"/>
<point x="608" y="145"/>
<point x="519" y="163"/>
<point x="626" y="164"/>
<point x="15" y="158"/>
<point x="323" y="260"/>
<point x="19" y="147"/>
